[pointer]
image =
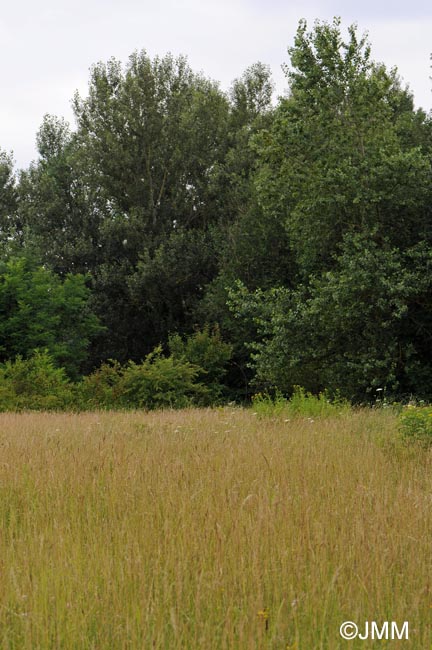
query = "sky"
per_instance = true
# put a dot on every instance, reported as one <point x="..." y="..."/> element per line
<point x="49" y="46"/>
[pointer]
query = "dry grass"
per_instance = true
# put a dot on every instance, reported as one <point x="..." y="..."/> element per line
<point x="174" y="530"/>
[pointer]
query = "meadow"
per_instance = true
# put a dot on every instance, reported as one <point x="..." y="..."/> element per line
<point x="211" y="529"/>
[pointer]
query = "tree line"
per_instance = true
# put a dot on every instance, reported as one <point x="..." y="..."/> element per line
<point x="265" y="244"/>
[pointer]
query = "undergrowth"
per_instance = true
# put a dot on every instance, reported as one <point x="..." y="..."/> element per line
<point x="301" y="403"/>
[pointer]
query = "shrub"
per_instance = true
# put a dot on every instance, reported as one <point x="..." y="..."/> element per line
<point x="34" y="384"/>
<point x="102" y="389"/>
<point x="157" y="382"/>
<point x="209" y="354"/>
<point x="416" y="425"/>
<point x="160" y="382"/>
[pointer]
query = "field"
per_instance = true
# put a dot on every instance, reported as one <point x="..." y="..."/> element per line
<point x="211" y="529"/>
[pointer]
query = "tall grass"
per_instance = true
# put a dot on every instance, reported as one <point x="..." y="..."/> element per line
<point x="210" y="529"/>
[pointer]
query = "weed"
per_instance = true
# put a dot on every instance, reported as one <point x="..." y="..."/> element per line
<point x="301" y="404"/>
<point x="416" y="424"/>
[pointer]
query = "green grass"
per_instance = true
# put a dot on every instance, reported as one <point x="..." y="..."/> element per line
<point x="300" y="404"/>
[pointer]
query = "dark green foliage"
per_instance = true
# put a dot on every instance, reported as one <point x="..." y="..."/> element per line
<point x="191" y="374"/>
<point x="132" y="197"/>
<point x="161" y="382"/>
<point x="334" y="160"/>
<point x="151" y="132"/>
<point x="157" y="382"/>
<point x="59" y="211"/>
<point x="34" y="384"/>
<point x="345" y="170"/>
<point x="362" y="326"/>
<point x="8" y="199"/>
<point x="168" y="285"/>
<point x="206" y="351"/>
<point x="301" y="231"/>
<point x="102" y="389"/>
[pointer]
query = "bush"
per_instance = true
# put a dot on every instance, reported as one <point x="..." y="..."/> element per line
<point x="102" y="389"/>
<point x="416" y="425"/>
<point x="301" y="403"/>
<point x="34" y="384"/>
<point x="157" y="382"/>
<point x="209" y="354"/>
<point x="161" y="382"/>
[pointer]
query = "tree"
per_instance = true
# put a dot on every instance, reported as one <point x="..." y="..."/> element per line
<point x="338" y="157"/>
<point x="117" y="198"/>
<point x="152" y="134"/>
<point x="8" y="198"/>
<point x="60" y="212"/>
<point x="345" y="169"/>
<point x="39" y="310"/>
<point x="364" y="325"/>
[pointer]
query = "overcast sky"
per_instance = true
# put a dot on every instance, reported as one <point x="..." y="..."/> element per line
<point x="48" y="46"/>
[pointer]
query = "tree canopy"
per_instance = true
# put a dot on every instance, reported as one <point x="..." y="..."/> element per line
<point x="298" y="228"/>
